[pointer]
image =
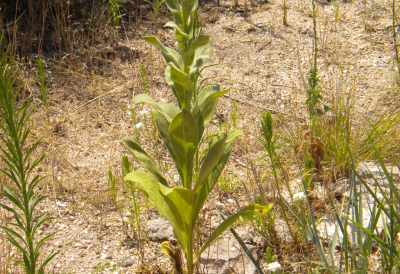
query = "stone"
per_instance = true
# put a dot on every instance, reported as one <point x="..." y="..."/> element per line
<point x="226" y="257"/>
<point x="128" y="262"/>
<point x="371" y="170"/>
<point x="159" y="230"/>
<point x="106" y="256"/>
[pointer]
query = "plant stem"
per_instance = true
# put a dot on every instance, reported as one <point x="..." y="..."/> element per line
<point x="394" y="35"/>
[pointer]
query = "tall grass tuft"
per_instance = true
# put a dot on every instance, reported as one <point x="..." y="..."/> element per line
<point x="16" y="154"/>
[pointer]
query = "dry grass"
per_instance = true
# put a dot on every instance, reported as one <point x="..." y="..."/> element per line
<point x="95" y="70"/>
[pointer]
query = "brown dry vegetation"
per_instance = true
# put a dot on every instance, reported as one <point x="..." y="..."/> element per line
<point x="95" y="70"/>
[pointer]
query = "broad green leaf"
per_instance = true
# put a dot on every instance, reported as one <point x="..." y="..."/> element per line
<point x="184" y="138"/>
<point x="200" y="56"/>
<point x="167" y="110"/>
<point x="180" y="35"/>
<point x="181" y="93"/>
<point x="200" y="41"/>
<point x="144" y="159"/>
<point x="149" y="186"/>
<point x="179" y="200"/>
<point x="188" y="6"/>
<point x="210" y="161"/>
<point x="176" y="10"/>
<point x="206" y="104"/>
<point x="202" y="191"/>
<point x="170" y="55"/>
<point x="209" y="94"/>
<point x="180" y="77"/>
<point x="248" y="213"/>
<point x="181" y="82"/>
<point x="151" y="40"/>
<point x="163" y="127"/>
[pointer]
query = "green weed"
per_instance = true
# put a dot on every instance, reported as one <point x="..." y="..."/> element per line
<point x="43" y="84"/>
<point x="181" y="129"/>
<point x="16" y="155"/>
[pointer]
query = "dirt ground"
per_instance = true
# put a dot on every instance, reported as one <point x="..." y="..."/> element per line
<point x="266" y="62"/>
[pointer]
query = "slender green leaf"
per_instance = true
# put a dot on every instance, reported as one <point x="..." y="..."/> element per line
<point x="144" y="159"/>
<point x="212" y="158"/>
<point x="202" y="190"/>
<point x="248" y="213"/>
<point x="180" y="35"/>
<point x="243" y="245"/>
<point x="170" y="55"/>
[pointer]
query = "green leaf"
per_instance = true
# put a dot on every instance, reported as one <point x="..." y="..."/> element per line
<point x="188" y="6"/>
<point x="167" y="110"/>
<point x="170" y="55"/>
<point x="248" y="213"/>
<point x="181" y="82"/>
<point x="12" y="197"/>
<point x="180" y="35"/>
<point x="144" y="159"/>
<point x="152" y="40"/>
<point x="14" y="233"/>
<point x="149" y="186"/>
<point x="163" y="127"/>
<point x="47" y="260"/>
<point x="176" y="10"/>
<point x="242" y="245"/>
<point x="200" y="44"/>
<point x="202" y="190"/>
<point x="184" y="138"/>
<point x="200" y="56"/>
<point x="212" y="158"/>
<point x="179" y="200"/>
<point x="206" y="104"/>
<point x="371" y="234"/>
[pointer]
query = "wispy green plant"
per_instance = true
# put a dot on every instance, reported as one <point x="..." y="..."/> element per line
<point x="113" y="183"/>
<point x="181" y="129"/>
<point x="156" y="6"/>
<point x="113" y="8"/>
<point x="16" y="154"/>
<point x="234" y="113"/>
<point x="313" y="90"/>
<point x="336" y="9"/>
<point x="270" y="145"/>
<point x="43" y="84"/>
<point x="144" y="79"/>
<point x="136" y="207"/>
<point x="387" y="208"/>
<point x="306" y="219"/>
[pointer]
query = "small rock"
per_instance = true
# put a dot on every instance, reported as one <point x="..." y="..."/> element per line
<point x="106" y="256"/>
<point x="128" y="262"/>
<point x="159" y="230"/>
<point x="222" y="256"/>
<point x="58" y="265"/>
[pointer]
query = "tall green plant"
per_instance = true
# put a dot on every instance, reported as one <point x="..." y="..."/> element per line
<point x="182" y="129"/>
<point x="16" y="154"/>
<point x="313" y="91"/>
